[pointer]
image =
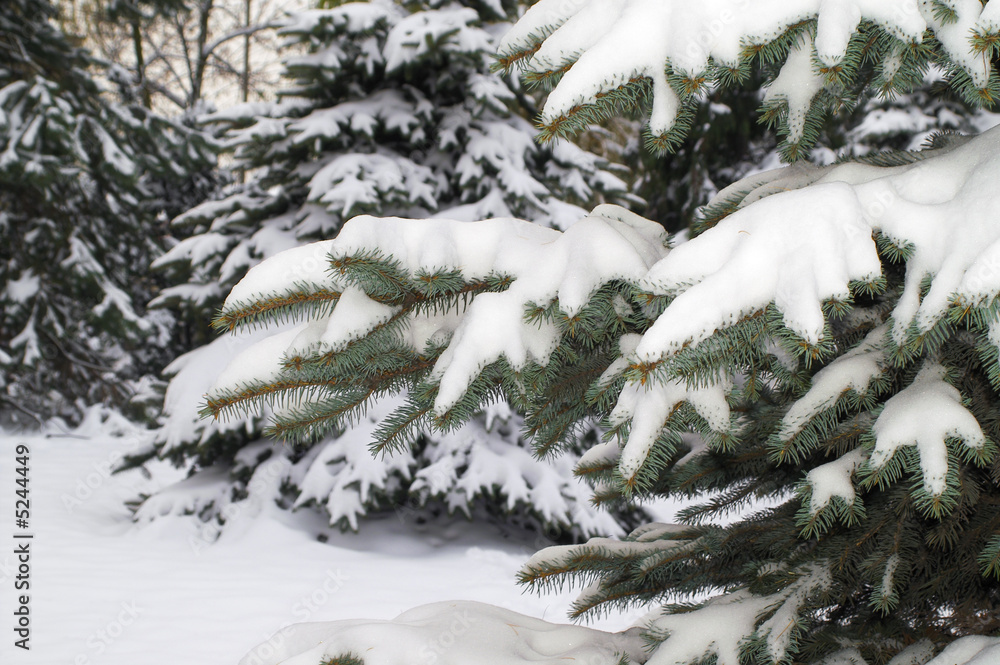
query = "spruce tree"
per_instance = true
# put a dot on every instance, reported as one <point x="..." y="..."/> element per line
<point x="390" y="110"/>
<point x="826" y="344"/>
<point x="84" y="182"/>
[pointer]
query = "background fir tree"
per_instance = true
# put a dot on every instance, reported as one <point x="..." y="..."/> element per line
<point x="394" y="111"/>
<point x="83" y="183"/>
<point x="826" y="343"/>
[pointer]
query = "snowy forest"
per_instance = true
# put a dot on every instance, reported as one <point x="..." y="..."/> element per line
<point x="329" y="328"/>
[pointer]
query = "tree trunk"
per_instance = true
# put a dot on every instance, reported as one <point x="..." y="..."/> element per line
<point x="245" y="83"/>
<point x="201" y="58"/>
<point x="140" y="62"/>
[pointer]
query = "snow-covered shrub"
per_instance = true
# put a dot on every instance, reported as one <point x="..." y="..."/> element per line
<point x="390" y="110"/>
<point x="84" y="181"/>
<point x="827" y="342"/>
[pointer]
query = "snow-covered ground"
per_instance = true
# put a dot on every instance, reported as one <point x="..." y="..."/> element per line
<point x="107" y="592"/>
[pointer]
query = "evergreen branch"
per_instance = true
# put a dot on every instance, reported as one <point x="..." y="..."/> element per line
<point x="306" y="303"/>
<point x="256" y="393"/>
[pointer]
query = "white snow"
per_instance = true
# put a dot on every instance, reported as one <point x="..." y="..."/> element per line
<point x="798" y="247"/>
<point x="722" y="623"/>
<point x="797" y="84"/>
<point x="852" y="371"/>
<point x="113" y="155"/>
<point x="795" y="249"/>
<point x="833" y="479"/>
<point x="955" y="36"/>
<point x="282" y="272"/>
<point x="261" y="362"/>
<point x="354" y="182"/>
<point x="972" y="650"/>
<point x="449" y="633"/>
<point x="716" y="628"/>
<point x="191" y="377"/>
<point x="889" y="575"/>
<point x="414" y="35"/>
<point x="649" y="406"/>
<point x="925" y="414"/>
<point x="339" y="329"/>
<point x="585" y="37"/>
<point x="22" y="289"/>
<point x="915" y="654"/>
<point x="108" y="592"/>
<point x="610" y="243"/>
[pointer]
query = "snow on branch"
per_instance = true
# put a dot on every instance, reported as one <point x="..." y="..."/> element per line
<point x="801" y="248"/>
<point x="678" y="49"/>
<point x="927" y="414"/>
<point x="460" y="312"/>
<point x="724" y="625"/>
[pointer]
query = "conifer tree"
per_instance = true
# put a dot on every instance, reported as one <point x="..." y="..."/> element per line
<point x="827" y="343"/>
<point x="83" y="182"/>
<point x="389" y="110"/>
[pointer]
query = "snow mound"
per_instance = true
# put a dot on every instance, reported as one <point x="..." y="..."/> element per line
<point x="447" y="633"/>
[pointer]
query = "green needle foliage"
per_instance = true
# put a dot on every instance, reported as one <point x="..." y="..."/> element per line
<point x="86" y="177"/>
<point x="817" y="370"/>
<point x="390" y="109"/>
<point x="682" y="52"/>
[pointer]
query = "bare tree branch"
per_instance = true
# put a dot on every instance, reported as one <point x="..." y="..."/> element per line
<point x="210" y="48"/>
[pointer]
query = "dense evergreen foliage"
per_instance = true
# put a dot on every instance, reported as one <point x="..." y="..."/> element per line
<point x="392" y="111"/>
<point x="85" y="183"/>
<point x="825" y="344"/>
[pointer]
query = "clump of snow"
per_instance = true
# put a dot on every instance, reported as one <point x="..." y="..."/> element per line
<point x="354" y="317"/>
<point x="356" y="17"/>
<point x="192" y="375"/>
<point x="353" y="182"/>
<point x="545" y="264"/>
<point x="585" y="38"/>
<point x="797" y="84"/>
<point x="649" y="406"/>
<point x="493" y="328"/>
<point x="853" y="371"/>
<point x="889" y="575"/>
<point x="626" y="349"/>
<point x="415" y="34"/>
<point x="603" y="453"/>
<point x="649" y="539"/>
<point x="971" y="650"/>
<point x="340" y="473"/>
<point x="925" y="414"/>
<point x="833" y="479"/>
<point x="260" y="363"/>
<point x="796" y="249"/>
<point x="282" y="273"/>
<point x="22" y="289"/>
<point x="449" y="633"/>
<point x="113" y="155"/>
<point x="915" y="654"/>
<point x="939" y="206"/>
<point x="801" y="247"/>
<point x="955" y="34"/>
<point x="722" y="624"/>
<point x="187" y="497"/>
